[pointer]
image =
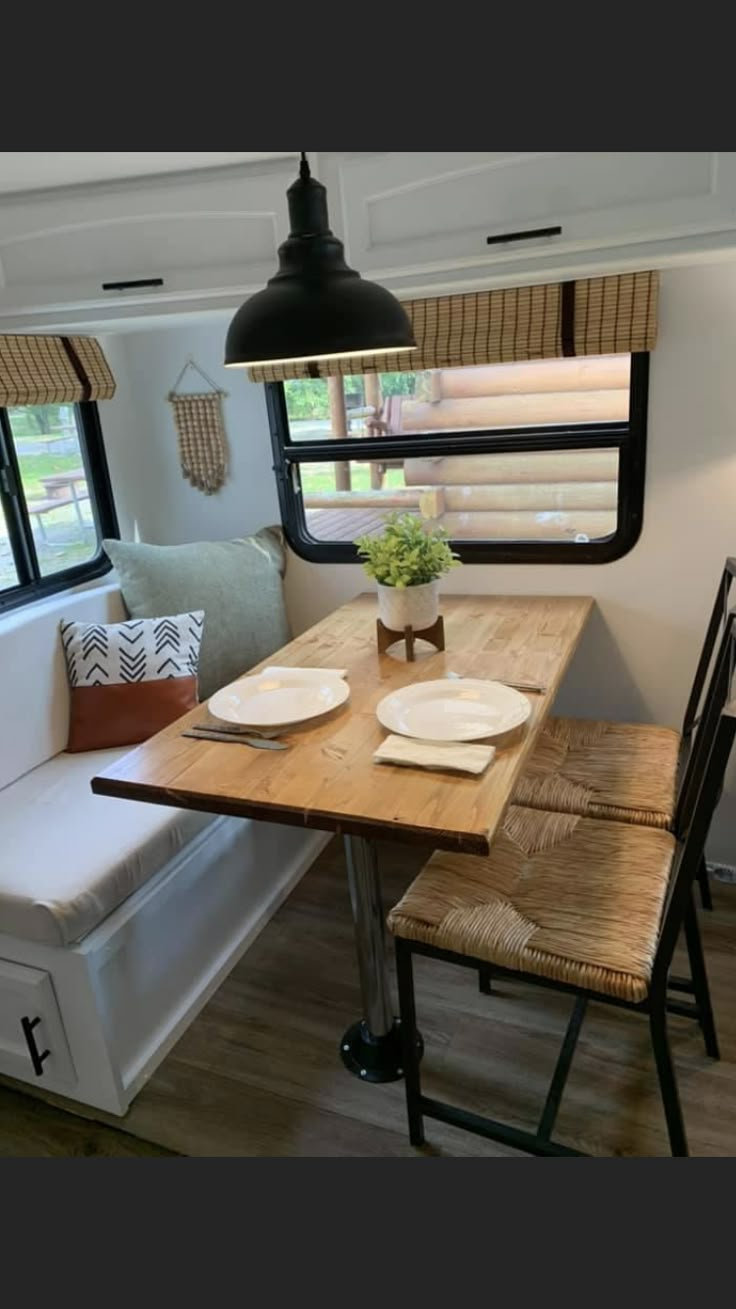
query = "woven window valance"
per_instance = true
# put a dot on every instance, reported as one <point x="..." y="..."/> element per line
<point x="39" y="370"/>
<point x="595" y="316"/>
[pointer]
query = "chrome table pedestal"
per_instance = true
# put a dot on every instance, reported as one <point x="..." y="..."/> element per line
<point x="371" y="1048"/>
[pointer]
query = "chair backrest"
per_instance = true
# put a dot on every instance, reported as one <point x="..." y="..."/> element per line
<point x="699" y="792"/>
<point x="695" y="706"/>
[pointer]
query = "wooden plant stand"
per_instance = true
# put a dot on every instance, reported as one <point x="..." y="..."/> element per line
<point x="434" y="634"/>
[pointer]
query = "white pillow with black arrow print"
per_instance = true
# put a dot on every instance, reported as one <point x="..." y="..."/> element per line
<point x="128" y="680"/>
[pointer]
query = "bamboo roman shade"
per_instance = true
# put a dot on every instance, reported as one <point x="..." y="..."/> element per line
<point x="39" y="370"/>
<point x="595" y="316"/>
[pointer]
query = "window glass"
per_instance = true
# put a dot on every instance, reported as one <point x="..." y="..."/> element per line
<point x="48" y="447"/>
<point x="547" y="393"/>
<point x="547" y="495"/>
<point x="532" y="461"/>
<point x="55" y="499"/>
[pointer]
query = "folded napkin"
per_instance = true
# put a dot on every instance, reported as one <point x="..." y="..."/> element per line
<point x="277" y="670"/>
<point x="456" y="756"/>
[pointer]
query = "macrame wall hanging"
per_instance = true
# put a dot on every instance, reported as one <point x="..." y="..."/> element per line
<point x="201" y="431"/>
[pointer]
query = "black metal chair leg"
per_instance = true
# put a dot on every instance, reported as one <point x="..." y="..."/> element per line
<point x="484" y="980"/>
<point x="700" y="980"/>
<point x="557" y="1085"/>
<point x="705" y="895"/>
<point x="410" y="1042"/>
<point x="667" y="1079"/>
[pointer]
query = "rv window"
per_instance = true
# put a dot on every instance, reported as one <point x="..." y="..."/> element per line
<point x="539" y="462"/>
<point x="55" y="498"/>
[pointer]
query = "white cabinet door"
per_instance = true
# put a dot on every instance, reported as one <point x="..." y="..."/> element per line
<point x="208" y="235"/>
<point x="417" y="220"/>
<point x="30" y="1022"/>
<point x="407" y="213"/>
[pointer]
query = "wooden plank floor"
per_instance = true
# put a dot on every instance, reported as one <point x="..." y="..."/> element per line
<point x="31" y="1128"/>
<point x="258" y="1072"/>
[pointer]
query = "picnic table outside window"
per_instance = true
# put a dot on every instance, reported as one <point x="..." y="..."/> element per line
<point x="61" y="489"/>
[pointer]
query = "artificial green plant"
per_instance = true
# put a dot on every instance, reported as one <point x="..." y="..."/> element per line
<point x="406" y="553"/>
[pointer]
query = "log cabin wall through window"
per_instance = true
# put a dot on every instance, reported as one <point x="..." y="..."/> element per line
<point x="530" y="461"/>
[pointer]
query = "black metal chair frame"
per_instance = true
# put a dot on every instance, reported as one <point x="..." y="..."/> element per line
<point x="699" y="792"/>
<point x="717" y="619"/>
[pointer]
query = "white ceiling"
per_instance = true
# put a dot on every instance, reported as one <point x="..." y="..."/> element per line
<point x="25" y="170"/>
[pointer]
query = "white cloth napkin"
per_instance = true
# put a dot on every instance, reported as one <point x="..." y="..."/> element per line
<point x="277" y="670"/>
<point x="457" y="757"/>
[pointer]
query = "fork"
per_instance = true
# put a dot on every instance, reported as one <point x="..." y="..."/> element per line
<point x="520" y="685"/>
<point x="238" y="729"/>
<point x="234" y="738"/>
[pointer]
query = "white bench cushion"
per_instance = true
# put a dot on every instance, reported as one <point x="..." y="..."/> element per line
<point x="68" y="857"/>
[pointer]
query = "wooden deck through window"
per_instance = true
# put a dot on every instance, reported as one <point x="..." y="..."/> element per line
<point x="345" y="524"/>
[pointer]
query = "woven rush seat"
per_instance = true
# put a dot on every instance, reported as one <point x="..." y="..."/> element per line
<point x="624" y="772"/>
<point x="575" y="900"/>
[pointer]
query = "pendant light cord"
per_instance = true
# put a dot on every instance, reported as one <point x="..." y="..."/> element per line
<point x="304" y="170"/>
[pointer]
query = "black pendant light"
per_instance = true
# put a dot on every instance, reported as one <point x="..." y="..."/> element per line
<point x="315" y="307"/>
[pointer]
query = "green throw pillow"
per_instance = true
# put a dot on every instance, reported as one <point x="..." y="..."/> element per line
<point x="236" y="583"/>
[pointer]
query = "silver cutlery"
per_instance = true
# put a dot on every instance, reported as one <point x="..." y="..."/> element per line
<point x="522" y="684"/>
<point x="234" y="738"/>
<point x="235" y="729"/>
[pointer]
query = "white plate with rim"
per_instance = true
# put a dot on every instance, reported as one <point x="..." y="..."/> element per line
<point x="282" y="701"/>
<point x="453" y="709"/>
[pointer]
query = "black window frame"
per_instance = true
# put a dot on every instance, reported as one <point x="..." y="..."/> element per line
<point x="31" y="584"/>
<point x="629" y="438"/>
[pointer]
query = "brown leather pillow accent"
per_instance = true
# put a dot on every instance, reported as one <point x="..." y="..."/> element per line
<point x="129" y="680"/>
<point x="104" y="716"/>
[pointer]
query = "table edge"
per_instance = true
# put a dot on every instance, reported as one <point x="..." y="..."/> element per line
<point x="313" y="820"/>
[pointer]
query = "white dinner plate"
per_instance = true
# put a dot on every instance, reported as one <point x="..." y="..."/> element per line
<point x="278" y="701"/>
<point x="457" y="709"/>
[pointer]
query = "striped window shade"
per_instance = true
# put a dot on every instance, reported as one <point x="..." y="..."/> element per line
<point x="595" y="316"/>
<point x="39" y="370"/>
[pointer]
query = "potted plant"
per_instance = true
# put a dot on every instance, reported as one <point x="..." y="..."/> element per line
<point x="407" y="560"/>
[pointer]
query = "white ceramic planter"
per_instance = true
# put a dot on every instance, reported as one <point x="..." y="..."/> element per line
<point x="409" y="606"/>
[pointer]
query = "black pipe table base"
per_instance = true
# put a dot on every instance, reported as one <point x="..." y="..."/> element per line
<point x="371" y="1048"/>
<point x="373" y="1058"/>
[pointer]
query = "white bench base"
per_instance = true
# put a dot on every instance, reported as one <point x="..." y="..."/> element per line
<point x="113" y="1005"/>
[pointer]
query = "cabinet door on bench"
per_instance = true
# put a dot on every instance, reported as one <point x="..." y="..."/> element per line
<point x="30" y="1025"/>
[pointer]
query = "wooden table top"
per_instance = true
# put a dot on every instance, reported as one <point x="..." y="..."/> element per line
<point x="327" y="780"/>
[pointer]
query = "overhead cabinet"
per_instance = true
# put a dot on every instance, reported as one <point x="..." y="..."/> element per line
<point x="416" y="220"/>
<point x="413" y="215"/>
<point x="182" y="239"/>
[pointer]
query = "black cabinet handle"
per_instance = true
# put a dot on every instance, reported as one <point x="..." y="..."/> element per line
<point x="524" y="236"/>
<point x="37" y="1059"/>
<point x="126" y="286"/>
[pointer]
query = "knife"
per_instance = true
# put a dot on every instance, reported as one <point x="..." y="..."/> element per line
<point x="232" y="738"/>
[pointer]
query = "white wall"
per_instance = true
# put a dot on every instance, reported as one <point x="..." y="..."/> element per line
<point x="639" y="652"/>
<point x="153" y="500"/>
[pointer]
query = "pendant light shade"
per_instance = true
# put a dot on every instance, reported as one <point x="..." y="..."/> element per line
<point x="315" y="307"/>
